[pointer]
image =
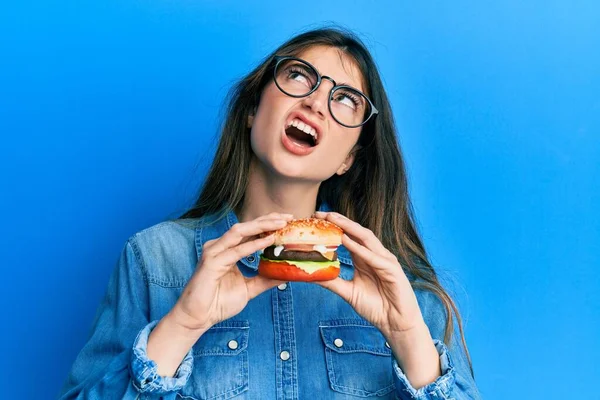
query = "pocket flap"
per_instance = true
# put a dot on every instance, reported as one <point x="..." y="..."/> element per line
<point x="353" y="336"/>
<point x="227" y="338"/>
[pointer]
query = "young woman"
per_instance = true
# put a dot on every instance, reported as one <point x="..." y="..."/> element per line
<point x="185" y="314"/>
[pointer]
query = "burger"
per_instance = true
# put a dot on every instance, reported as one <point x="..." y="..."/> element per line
<point x="304" y="250"/>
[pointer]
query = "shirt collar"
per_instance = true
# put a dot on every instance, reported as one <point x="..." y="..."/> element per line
<point x="215" y="225"/>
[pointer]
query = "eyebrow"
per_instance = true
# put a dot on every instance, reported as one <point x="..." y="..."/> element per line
<point x="347" y="84"/>
<point x="336" y="82"/>
<point x="341" y="83"/>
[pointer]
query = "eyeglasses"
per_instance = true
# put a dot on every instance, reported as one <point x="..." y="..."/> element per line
<point x="347" y="105"/>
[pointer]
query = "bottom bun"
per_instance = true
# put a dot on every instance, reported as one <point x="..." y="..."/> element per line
<point x="289" y="272"/>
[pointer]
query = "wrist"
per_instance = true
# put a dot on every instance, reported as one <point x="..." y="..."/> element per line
<point x="409" y="344"/>
<point x="415" y="352"/>
<point x="406" y="338"/>
<point x="168" y="344"/>
<point x="185" y="324"/>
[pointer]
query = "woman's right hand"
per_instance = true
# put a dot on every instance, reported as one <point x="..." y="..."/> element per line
<point x="217" y="289"/>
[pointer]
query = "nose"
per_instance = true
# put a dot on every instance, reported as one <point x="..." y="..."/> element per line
<point x="318" y="99"/>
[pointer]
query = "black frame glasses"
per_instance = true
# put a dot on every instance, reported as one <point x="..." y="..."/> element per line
<point x="279" y="59"/>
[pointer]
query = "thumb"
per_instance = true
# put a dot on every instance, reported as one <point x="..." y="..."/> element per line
<point x="339" y="286"/>
<point x="260" y="284"/>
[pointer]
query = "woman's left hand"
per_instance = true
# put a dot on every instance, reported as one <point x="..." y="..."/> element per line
<point x="380" y="291"/>
<point x="382" y="294"/>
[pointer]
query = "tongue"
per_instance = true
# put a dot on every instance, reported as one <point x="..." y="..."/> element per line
<point x="299" y="137"/>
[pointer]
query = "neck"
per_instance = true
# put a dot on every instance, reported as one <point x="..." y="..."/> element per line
<point x="267" y="193"/>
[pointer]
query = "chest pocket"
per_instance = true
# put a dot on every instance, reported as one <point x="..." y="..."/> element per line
<point x="220" y="363"/>
<point x="358" y="361"/>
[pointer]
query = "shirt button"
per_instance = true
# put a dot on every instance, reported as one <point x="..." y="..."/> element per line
<point x="387" y="345"/>
<point x="232" y="344"/>
<point x="250" y="258"/>
<point x="284" y="355"/>
<point x="338" y="342"/>
<point x="283" y="286"/>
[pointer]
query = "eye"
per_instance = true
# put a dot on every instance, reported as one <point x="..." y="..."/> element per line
<point x="301" y="75"/>
<point x="298" y="76"/>
<point x="347" y="98"/>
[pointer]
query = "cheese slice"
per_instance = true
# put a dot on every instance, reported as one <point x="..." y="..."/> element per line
<point x="308" y="266"/>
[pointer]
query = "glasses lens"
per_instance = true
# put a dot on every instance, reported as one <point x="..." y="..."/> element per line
<point x="349" y="106"/>
<point x="295" y="78"/>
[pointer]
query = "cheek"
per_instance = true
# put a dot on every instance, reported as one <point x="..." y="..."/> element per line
<point x="340" y="142"/>
<point x="270" y="112"/>
<point x="272" y="102"/>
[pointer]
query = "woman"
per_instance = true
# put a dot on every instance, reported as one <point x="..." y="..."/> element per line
<point x="186" y="315"/>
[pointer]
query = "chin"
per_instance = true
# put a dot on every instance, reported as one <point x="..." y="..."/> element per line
<point x="289" y="168"/>
<point x="284" y="165"/>
<point x="277" y="161"/>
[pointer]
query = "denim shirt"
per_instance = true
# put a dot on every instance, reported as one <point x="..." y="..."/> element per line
<point x="291" y="342"/>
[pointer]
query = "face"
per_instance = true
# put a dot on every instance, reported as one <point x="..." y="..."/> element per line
<point x="279" y="151"/>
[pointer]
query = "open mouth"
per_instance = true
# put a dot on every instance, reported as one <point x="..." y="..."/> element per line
<point x="301" y="134"/>
<point x="300" y="137"/>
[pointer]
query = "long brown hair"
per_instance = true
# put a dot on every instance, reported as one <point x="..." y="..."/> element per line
<point x="375" y="182"/>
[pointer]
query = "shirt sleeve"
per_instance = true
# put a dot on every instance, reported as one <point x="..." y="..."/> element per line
<point x="144" y="370"/>
<point x="441" y="388"/>
<point x="457" y="381"/>
<point x="113" y="363"/>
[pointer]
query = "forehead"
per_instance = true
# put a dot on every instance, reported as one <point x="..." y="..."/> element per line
<point x="334" y="63"/>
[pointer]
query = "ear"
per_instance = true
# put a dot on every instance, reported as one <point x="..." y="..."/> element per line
<point x="251" y="117"/>
<point x="348" y="161"/>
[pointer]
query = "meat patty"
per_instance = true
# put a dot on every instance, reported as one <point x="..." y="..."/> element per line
<point x="296" y="255"/>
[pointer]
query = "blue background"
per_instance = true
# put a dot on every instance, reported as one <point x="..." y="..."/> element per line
<point x="107" y="118"/>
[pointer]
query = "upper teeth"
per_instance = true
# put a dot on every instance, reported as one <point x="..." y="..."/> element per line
<point x="303" y="127"/>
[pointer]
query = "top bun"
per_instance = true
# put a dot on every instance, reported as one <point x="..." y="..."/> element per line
<point x="309" y="231"/>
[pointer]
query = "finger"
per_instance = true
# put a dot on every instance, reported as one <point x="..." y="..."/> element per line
<point x="371" y="240"/>
<point x="359" y="233"/>
<point x="209" y="250"/>
<point x="339" y="286"/>
<point x="320" y="214"/>
<point x="260" y="284"/>
<point x="208" y="244"/>
<point x="244" y="230"/>
<point x="233" y="255"/>
<point x="369" y="257"/>
<point x="275" y="217"/>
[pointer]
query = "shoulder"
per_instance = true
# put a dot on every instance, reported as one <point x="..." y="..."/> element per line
<point x="165" y="235"/>
<point x="166" y="251"/>
<point x="164" y="238"/>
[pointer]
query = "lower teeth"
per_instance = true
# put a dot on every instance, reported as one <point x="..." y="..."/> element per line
<point x="303" y="144"/>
